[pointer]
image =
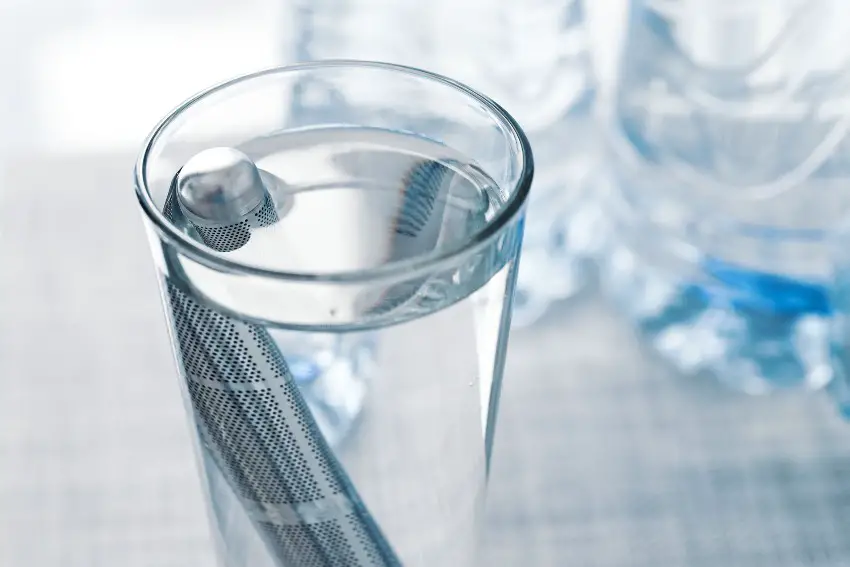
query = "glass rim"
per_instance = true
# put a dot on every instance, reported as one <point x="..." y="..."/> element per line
<point x="216" y="260"/>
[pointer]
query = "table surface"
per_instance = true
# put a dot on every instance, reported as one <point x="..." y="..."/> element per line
<point x="603" y="456"/>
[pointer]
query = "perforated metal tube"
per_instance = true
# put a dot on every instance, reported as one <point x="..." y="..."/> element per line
<point x="253" y="421"/>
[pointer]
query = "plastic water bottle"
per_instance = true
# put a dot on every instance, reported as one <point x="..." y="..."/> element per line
<point x="730" y="139"/>
<point x="533" y="59"/>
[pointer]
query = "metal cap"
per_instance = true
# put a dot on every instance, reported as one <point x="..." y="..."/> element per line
<point x="219" y="186"/>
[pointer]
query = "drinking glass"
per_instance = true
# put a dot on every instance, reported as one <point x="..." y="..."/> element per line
<point x="393" y="218"/>
<point x="729" y="142"/>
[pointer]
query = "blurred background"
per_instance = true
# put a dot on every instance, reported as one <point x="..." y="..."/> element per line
<point x="93" y="76"/>
<point x="606" y="454"/>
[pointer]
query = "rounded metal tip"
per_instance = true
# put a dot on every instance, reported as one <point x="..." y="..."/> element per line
<point x="219" y="186"/>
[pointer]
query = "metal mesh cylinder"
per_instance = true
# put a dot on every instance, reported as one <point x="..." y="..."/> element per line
<point x="259" y="432"/>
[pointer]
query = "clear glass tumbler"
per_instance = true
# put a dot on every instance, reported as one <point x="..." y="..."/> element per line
<point x="395" y="214"/>
<point x="730" y="140"/>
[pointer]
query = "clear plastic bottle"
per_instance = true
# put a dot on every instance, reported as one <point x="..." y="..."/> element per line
<point x="533" y="58"/>
<point x="729" y="136"/>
